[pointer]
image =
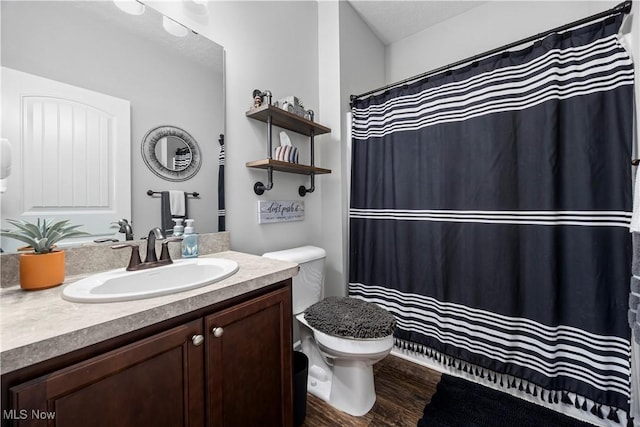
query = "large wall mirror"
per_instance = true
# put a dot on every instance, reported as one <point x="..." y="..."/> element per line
<point x="129" y="61"/>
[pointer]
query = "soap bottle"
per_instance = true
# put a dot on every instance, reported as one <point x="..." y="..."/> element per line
<point x="178" y="229"/>
<point x="189" y="241"/>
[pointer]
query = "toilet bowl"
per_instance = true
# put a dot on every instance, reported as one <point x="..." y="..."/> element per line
<point x="340" y="368"/>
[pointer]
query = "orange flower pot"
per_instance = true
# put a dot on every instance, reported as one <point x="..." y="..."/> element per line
<point x="41" y="271"/>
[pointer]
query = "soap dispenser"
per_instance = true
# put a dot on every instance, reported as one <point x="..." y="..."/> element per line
<point x="189" y="240"/>
<point x="178" y="229"/>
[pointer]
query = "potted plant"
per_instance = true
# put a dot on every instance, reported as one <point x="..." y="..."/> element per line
<point x="44" y="266"/>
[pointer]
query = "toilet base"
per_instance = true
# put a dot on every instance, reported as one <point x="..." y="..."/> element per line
<point x="349" y="388"/>
<point x="319" y="383"/>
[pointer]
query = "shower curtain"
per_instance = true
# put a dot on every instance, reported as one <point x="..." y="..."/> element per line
<point x="490" y="210"/>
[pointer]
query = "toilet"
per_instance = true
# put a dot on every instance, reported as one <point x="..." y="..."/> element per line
<point x="340" y="368"/>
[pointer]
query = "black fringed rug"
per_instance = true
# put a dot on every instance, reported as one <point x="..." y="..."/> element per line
<point x="461" y="403"/>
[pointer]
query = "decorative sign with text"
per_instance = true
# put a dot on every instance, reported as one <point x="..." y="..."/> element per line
<point x="270" y="211"/>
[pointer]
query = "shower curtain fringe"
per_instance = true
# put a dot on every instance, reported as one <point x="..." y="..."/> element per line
<point x="512" y="385"/>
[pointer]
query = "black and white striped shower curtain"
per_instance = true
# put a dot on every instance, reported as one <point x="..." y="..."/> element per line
<point x="490" y="211"/>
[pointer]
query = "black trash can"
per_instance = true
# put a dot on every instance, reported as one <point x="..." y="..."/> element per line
<point x="300" y="371"/>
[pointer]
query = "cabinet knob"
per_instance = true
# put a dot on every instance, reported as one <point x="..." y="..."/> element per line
<point x="217" y="331"/>
<point x="197" y="339"/>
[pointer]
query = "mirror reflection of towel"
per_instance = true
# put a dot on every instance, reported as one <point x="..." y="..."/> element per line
<point x="173" y="204"/>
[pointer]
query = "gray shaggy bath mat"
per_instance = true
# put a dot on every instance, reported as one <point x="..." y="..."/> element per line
<point x="350" y="318"/>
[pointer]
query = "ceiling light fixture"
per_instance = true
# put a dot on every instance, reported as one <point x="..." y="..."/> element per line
<point x="132" y="7"/>
<point x="174" y="28"/>
<point x="197" y="7"/>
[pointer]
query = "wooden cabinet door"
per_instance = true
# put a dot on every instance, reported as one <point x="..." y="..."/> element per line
<point x="248" y="366"/>
<point x="158" y="381"/>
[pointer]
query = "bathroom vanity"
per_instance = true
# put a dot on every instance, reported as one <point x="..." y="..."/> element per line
<point x="218" y="355"/>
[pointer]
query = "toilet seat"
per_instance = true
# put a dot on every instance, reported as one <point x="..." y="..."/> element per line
<point x="350" y="346"/>
<point x="351" y="318"/>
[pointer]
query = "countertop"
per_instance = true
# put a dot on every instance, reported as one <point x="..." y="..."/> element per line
<point x="39" y="325"/>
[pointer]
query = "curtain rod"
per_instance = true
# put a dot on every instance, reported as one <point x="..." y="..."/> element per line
<point x="622" y="8"/>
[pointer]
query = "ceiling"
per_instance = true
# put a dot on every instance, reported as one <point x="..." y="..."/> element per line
<point x="394" y="20"/>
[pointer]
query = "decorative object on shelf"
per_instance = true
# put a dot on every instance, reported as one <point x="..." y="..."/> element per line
<point x="44" y="266"/>
<point x="171" y="153"/>
<point x="270" y="211"/>
<point x="258" y="98"/>
<point x="274" y="116"/>
<point x="286" y="152"/>
<point x="293" y="105"/>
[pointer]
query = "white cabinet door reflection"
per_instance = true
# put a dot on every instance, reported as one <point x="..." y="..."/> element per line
<point x="71" y="154"/>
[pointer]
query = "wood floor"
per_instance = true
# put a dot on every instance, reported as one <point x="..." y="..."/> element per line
<point x="402" y="388"/>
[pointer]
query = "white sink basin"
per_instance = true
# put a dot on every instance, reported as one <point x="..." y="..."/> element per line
<point x="122" y="285"/>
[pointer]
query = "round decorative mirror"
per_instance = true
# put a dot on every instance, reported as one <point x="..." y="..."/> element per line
<point x="171" y="153"/>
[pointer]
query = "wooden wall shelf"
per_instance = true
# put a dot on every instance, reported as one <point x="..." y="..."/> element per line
<point x="287" y="120"/>
<point x="281" y="166"/>
<point x="274" y="116"/>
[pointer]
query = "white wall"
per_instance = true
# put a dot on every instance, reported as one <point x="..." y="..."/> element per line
<point x="274" y="46"/>
<point x="329" y="75"/>
<point x="483" y="28"/>
<point x="351" y="60"/>
<point x="321" y="52"/>
<point x="361" y="69"/>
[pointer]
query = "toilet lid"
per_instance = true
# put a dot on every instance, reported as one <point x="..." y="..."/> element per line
<point x="350" y="317"/>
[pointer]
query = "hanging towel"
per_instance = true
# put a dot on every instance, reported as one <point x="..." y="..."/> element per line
<point x="635" y="216"/>
<point x="173" y="204"/>
<point x="221" y="209"/>
<point x="177" y="203"/>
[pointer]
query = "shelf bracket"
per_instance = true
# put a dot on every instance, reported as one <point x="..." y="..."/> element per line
<point x="259" y="188"/>
<point x="302" y="190"/>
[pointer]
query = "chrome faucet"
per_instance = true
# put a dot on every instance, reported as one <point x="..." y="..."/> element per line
<point x="125" y="228"/>
<point x="151" y="260"/>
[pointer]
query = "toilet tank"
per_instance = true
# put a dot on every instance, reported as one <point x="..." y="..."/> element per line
<point x="307" y="285"/>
